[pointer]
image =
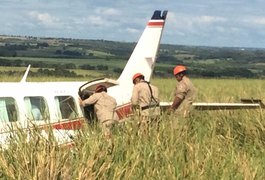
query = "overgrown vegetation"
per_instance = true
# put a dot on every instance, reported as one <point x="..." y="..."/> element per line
<point x="208" y="145"/>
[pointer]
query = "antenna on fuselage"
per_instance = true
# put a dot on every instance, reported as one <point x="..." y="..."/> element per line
<point x="26" y="74"/>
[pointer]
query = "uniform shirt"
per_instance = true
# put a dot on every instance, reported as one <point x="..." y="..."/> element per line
<point x="186" y="91"/>
<point x="104" y="105"/>
<point x="141" y="96"/>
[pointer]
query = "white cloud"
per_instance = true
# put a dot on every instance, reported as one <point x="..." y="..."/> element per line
<point x="258" y="20"/>
<point x="182" y="25"/>
<point x="189" y="21"/>
<point x="132" y="31"/>
<point x="44" y="18"/>
<point x="107" y="11"/>
<point x="208" y="19"/>
<point x="95" y="20"/>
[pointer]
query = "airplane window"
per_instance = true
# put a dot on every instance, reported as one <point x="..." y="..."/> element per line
<point x="8" y="110"/>
<point x="36" y="108"/>
<point x="66" y="107"/>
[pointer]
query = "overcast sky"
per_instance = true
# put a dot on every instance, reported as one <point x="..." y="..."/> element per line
<point x="229" y="23"/>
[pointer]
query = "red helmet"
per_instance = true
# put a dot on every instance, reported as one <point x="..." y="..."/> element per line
<point x="179" y="69"/>
<point x="100" y="88"/>
<point x="136" y="76"/>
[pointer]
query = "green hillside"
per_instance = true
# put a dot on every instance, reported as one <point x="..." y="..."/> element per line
<point x="110" y="57"/>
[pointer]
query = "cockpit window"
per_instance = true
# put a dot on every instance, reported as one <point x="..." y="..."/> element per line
<point x="8" y="109"/>
<point x="37" y="108"/>
<point x="66" y="107"/>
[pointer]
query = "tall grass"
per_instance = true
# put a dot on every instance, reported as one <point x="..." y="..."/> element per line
<point x="216" y="90"/>
<point x="208" y="145"/>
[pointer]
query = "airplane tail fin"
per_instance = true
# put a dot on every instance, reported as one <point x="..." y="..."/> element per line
<point x="24" y="78"/>
<point x="143" y="58"/>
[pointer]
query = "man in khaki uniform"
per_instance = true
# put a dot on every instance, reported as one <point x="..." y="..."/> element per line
<point x="145" y="97"/>
<point x="184" y="93"/>
<point x="104" y="108"/>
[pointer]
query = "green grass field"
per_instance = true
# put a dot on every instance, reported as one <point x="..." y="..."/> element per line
<point x="87" y="75"/>
<point x="113" y="63"/>
<point x="208" y="145"/>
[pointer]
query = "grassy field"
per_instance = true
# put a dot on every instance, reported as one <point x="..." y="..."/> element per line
<point x="113" y="63"/>
<point x="87" y="75"/>
<point x="208" y="145"/>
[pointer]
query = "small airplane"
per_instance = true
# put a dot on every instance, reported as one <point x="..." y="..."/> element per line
<point x="56" y="104"/>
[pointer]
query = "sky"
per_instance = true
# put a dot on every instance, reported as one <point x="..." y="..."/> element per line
<point x="219" y="23"/>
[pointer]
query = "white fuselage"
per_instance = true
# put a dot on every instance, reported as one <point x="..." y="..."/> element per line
<point x="48" y="90"/>
<point x="57" y="103"/>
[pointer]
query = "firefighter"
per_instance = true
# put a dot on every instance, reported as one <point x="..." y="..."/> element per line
<point x="104" y="106"/>
<point x="145" y="100"/>
<point x="184" y="93"/>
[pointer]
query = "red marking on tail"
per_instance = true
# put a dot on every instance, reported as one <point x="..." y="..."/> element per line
<point x="160" y="23"/>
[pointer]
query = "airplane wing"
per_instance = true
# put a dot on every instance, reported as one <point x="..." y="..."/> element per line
<point x="225" y="106"/>
<point x="245" y="104"/>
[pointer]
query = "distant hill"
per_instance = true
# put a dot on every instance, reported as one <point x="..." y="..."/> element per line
<point x="111" y="56"/>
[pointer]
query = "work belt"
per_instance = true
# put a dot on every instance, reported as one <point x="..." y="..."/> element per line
<point x="149" y="106"/>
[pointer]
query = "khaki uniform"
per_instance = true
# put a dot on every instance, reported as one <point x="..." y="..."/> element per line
<point x="141" y="96"/>
<point x="104" y="109"/>
<point x="186" y="91"/>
